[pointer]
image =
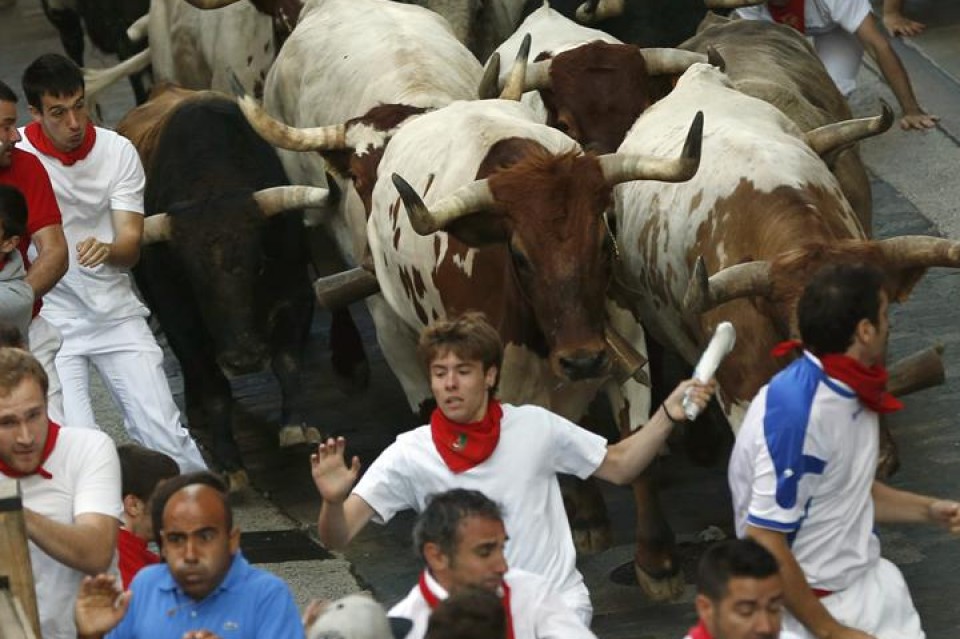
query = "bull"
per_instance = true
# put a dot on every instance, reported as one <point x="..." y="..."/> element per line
<point x="223" y="271"/>
<point x="763" y="213"/>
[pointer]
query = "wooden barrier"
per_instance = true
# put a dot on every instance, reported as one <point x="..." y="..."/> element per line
<point x="15" y="567"/>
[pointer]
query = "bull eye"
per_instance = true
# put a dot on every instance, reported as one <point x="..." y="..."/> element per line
<point x="519" y="259"/>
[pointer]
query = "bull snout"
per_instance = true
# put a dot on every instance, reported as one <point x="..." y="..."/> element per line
<point x="584" y="364"/>
<point x="249" y="359"/>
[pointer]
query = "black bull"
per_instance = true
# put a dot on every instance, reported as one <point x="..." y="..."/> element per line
<point x="231" y="287"/>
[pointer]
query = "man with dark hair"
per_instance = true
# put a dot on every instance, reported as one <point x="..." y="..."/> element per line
<point x="802" y="469"/>
<point x="98" y="181"/>
<point x="204" y="590"/>
<point x="16" y="296"/>
<point x="739" y="593"/>
<point x="141" y="470"/>
<point x="70" y="479"/>
<point x="511" y="453"/>
<point x="472" y="613"/>
<point x="460" y="536"/>
<point x="43" y="239"/>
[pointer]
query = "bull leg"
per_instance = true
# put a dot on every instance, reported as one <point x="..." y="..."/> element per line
<point x="347" y="355"/>
<point x="287" y="365"/>
<point x="69" y="26"/>
<point x="654" y="559"/>
<point x="587" y="514"/>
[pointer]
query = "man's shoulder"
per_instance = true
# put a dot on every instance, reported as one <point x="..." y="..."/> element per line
<point x="517" y="577"/>
<point x="82" y="438"/>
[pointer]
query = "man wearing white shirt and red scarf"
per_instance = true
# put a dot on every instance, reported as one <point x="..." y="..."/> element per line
<point x="70" y="481"/>
<point x="98" y="182"/>
<point x="461" y="537"/>
<point x="802" y="469"/>
<point x="510" y="453"/>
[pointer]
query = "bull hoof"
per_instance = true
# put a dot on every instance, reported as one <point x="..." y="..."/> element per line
<point x="238" y="481"/>
<point x="292" y="436"/>
<point x="312" y="435"/>
<point x="667" y="588"/>
<point x="592" y="537"/>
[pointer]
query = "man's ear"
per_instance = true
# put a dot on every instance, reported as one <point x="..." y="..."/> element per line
<point x="435" y="557"/>
<point x="35" y="113"/>
<point x="865" y="331"/>
<point x="133" y="506"/>
<point x="705" y="610"/>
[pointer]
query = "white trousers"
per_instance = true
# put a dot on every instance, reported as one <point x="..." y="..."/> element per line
<point x="134" y="376"/>
<point x="45" y="340"/>
<point x="878" y="603"/>
<point x="841" y="53"/>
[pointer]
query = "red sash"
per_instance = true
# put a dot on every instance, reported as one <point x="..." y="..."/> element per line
<point x="53" y="431"/>
<point x="42" y="143"/>
<point x="463" y="446"/>
<point x="868" y="382"/>
<point x="789" y="13"/>
<point x="432" y="600"/>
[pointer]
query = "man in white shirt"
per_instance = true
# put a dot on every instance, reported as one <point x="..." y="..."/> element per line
<point x="802" y="469"/>
<point x="70" y="479"/>
<point x="98" y="182"/>
<point x="510" y="453"/>
<point x="841" y="30"/>
<point x="461" y="538"/>
<point x="739" y="593"/>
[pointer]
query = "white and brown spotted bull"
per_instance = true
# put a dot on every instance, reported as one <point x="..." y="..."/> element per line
<point x="224" y="262"/>
<point x="762" y="214"/>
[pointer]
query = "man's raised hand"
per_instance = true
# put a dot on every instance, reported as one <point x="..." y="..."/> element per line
<point x="334" y="480"/>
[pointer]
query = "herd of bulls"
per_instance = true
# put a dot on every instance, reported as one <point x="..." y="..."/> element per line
<point x="587" y="201"/>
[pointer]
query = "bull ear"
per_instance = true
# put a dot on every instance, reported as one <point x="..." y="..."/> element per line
<point x="593" y="11"/>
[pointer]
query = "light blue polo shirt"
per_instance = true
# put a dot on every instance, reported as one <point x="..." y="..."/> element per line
<point x="249" y="604"/>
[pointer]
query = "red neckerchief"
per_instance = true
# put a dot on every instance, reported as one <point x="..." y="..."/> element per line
<point x="463" y="446"/>
<point x="790" y="14"/>
<point x="53" y="431"/>
<point x="868" y="382"/>
<point x="699" y="631"/>
<point x="132" y="555"/>
<point x="432" y="600"/>
<point x="42" y="143"/>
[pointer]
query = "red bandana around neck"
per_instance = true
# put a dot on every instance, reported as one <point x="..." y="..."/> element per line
<point x="868" y="382"/>
<point x="53" y="431"/>
<point x="463" y="446"/>
<point x="699" y="631"/>
<point x="790" y="13"/>
<point x="432" y="600"/>
<point x="42" y="143"/>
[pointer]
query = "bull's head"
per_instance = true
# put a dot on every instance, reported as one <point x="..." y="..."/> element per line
<point x="546" y="213"/>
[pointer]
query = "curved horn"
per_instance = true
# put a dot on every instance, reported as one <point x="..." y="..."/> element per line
<point x="920" y="251"/>
<point x="156" y="228"/>
<point x="96" y="80"/>
<point x="289" y="198"/>
<point x="619" y="167"/>
<point x="490" y="81"/>
<point x="516" y="82"/>
<point x="472" y="198"/>
<point x="666" y="61"/>
<point x="741" y="280"/>
<point x="320" y="138"/>
<point x="138" y="30"/>
<point x="715" y="59"/>
<point x="831" y="137"/>
<point x="211" y="4"/>
<point x="730" y="4"/>
<point x="595" y="10"/>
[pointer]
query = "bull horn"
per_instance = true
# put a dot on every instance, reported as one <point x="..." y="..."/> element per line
<point x="920" y="251"/>
<point x="156" y="228"/>
<point x="627" y="362"/>
<point x="831" y="137"/>
<point x="595" y="10"/>
<point x="342" y="289"/>
<point x="472" y="198"/>
<point x="715" y="59"/>
<point x="490" y="81"/>
<point x="280" y="135"/>
<point x="730" y="4"/>
<point x="741" y="280"/>
<point x="289" y="198"/>
<point x="516" y="82"/>
<point x="666" y="61"/>
<point x="923" y="369"/>
<point x="618" y="167"/>
<point x="211" y="4"/>
<point x="96" y="80"/>
<point x="138" y="30"/>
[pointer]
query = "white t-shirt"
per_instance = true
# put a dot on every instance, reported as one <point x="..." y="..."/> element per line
<point x="536" y="610"/>
<point x="520" y="475"/>
<point x="819" y="16"/>
<point x="109" y="179"/>
<point x="86" y="479"/>
<point x="803" y="464"/>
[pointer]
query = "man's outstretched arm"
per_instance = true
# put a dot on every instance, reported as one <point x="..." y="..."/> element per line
<point x="342" y="515"/>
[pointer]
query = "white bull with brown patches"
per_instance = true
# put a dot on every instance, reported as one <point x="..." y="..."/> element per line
<point x="764" y="212"/>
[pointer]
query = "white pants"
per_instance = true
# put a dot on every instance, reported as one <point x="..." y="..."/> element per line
<point x="44" y="342"/>
<point x="878" y="603"/>
<point x="841" y="53"/>
<point x="135" y="378"/>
